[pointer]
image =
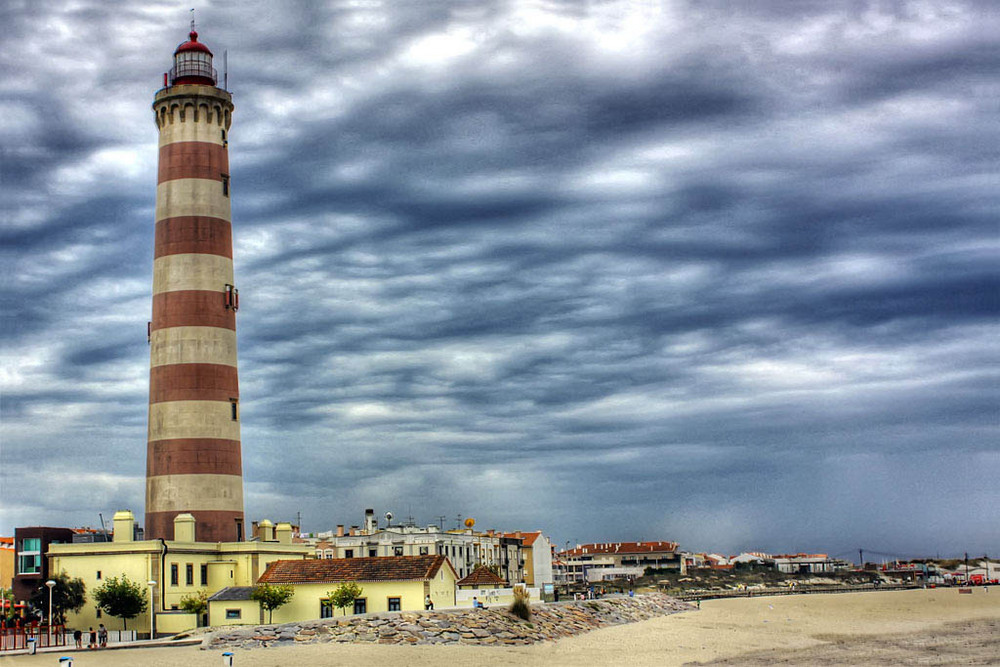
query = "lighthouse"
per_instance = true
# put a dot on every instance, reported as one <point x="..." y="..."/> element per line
<point x="193" y="458"/>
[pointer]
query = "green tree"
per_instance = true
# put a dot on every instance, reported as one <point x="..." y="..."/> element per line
<point x="344" y="595"/>
<point x="271" y="597"/>
<point x="195" y="604"/>
<point x="123" y="598"/>
<point x="67" y="595"/>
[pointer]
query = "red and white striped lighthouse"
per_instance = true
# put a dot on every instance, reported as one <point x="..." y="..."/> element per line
<point x="193" y="459"/>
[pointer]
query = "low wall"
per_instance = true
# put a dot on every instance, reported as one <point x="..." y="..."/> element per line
<point x="493" y="626"/>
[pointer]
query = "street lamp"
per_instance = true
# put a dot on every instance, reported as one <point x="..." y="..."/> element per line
<point x="152" y="607"/>
<point x="51" y="584"/>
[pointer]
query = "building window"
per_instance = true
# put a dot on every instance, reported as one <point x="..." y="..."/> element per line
<point x="235" y="414"/>
<point x="225" y="185"/>
<point x="239" y="522"/>
<point x="325" y="609"/>
<point x="372" y="553"/>
<point x="204" y="574"/>
<point x="173" y="574"/>
<point x="233" y="614"/>
<point x="423" y="551"/>
<point x="397" y="551"/>
<point x="453" y="551"/>
<point x="98" y="575"/>
<point x="348" y="553"/>
<point x="361" y="606"/>
<point x="189" y="574"/>
<point x="394" y="604"/>
<point x="29" y="558"/>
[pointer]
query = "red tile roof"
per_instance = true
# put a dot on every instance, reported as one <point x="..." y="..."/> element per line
<point x="621" y="548"/>
<point x="389" y="568"/>
<point x="482" y="576"/>
<point x="527" y="539"/>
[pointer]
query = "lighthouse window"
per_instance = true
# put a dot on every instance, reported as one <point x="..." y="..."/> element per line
<point x="225" y="185"/>
<point x="234" y="406"/>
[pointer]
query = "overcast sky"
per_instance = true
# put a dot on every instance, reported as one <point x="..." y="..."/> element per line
<point x="724" y="273"/>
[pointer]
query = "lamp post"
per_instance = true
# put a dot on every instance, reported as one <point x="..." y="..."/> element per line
<point x="152" y="608"/>
<point x="51" y="584"/>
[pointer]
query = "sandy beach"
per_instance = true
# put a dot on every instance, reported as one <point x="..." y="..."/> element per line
<point x="900" y="627"/>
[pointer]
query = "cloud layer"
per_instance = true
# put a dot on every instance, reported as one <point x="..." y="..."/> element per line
<point x="720" y="273"/>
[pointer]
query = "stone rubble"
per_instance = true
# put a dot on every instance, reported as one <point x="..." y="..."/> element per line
<point x="482" y="627"/>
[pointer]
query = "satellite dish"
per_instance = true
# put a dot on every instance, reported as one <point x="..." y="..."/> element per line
<point x="470" y="522"/>
<point x="388" y="516"/>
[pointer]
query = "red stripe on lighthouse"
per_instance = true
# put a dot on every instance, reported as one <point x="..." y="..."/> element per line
<point x="192" y="159"/>
<point x="193" y="456"/>
<point x="194" y="234"/>
<point x="192" y="308"/>
<point x="193" y="382"/>
<point x="210" y="526"/>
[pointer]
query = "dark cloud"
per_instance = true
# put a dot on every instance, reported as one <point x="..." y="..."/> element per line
<point x="723" y="273"/>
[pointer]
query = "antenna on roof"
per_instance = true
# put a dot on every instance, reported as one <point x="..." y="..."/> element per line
<point x="192" y="19"/>
<point x="225" y="69"/>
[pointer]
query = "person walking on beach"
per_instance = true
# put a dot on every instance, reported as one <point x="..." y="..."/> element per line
<point x="102" y="636"/>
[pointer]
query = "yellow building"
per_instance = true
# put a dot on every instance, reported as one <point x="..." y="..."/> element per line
<point x="6" y="562"/>
<point x="393" y="583"/>
<point x="179" y="568"/>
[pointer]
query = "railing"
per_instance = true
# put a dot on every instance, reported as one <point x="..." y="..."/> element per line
<point x="785" y="590"/>
<point x="13" y="639"/>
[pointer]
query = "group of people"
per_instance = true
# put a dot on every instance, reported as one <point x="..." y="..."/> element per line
<point x="97" y="638"/>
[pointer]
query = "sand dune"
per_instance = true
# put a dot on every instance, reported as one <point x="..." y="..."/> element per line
<point x="939" y="625"/>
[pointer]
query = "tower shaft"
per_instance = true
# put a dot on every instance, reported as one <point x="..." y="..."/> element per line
<point x="193" y="458"/>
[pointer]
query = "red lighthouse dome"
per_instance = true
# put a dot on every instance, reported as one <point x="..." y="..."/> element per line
<point x="193" y="63"/>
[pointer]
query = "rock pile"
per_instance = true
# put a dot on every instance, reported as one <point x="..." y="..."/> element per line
<point x="456" y="626"/>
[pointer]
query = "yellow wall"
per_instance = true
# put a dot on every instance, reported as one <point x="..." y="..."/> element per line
<point x="6" y="567"/>
<point x="229" y="564"/>
<point x="250" y="613"/>
<point x="307" y="602"/>
<point x="529" y="565"/>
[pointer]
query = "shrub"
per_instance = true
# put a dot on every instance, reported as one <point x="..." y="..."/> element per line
<point x="521" y="607"/>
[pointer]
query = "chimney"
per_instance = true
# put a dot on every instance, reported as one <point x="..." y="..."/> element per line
<point x="266" y="531"/>
<point x="184" y="528"/>
<point x="354" y="530"/>
<point x="340" y="530"/>
<point x="371" y="524"/>
<point x="124" y="521"/>
<point x="283" y="533"/>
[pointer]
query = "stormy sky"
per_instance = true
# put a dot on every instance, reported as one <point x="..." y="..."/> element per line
<point x="724" y="273"/>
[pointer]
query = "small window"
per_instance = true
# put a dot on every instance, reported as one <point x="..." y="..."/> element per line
<point x="98" y="576"/>
<point x="361" y="606"/>
<point x="225" y="185"/>
<point x="394" y="604"/>
<point x="423" y="551"/>
<point x="234" y="411"/>
<point x="239" y="522"/>
<point x="173" y="574"/>
<point x="325" y="609"/>
<point x="233" y="614"/>
<point x="348" y="553"/>
<point x="225" y="142"/>
<point x="397" y="551"/>
<point x="98" y="612"/>
<point x="189" y="574"/>
<point x="372" y="553"/>
<point x="204" y="575"/>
